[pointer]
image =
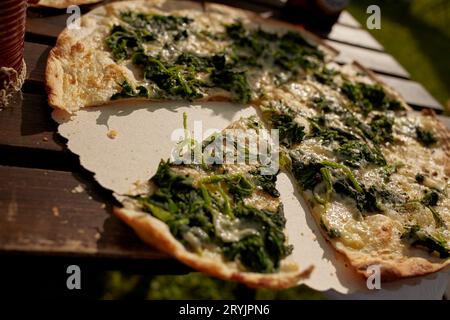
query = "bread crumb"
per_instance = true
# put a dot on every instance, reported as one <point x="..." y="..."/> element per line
<point x="78" y="189"/>
<point x="45" y="139"/>
<point x="55" y="211"/>
<point x="103" y="206"/>
<point x="112" y="134"/>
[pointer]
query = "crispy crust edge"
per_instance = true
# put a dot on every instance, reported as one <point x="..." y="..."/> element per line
<point x="156" y="233"/>
<point x="390" y="269"/>
<point x="393" y="269"/>
<point x="62" y="4"/>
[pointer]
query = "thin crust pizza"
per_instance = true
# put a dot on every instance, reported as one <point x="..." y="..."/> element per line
<point x="373" y="172"/>
<point x="218" y="217"/>
<point x="61" y="4"/>
<point x="134" y="50"/>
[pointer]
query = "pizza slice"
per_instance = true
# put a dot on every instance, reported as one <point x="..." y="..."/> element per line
<point x="374" y="173"/>
<point x="224" y="219"/>
<point x="144" y="50"/>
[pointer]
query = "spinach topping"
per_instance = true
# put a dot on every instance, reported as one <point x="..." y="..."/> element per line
<point x="381" y="129"/>
<point x="289" y="131"/>
<point x="158" y="23"/>
<point x="420" y="178"/>
<point x="142" y="28"/>
<point x="339" y="178"/>
<point x="256" y="41"/>
<point x="353" y="151"/>
<point x="266" y="182"/>
<point x="420" y="238"/>
<point x="366" y="200"/>
<point x="233" y="81"/>
<point x="426" y="138"/>
<point x="327" y="133"/>
<point x="331" y="232"/>
<point x="123" y="42"/>
<point x="368" y="97"/>
<point x="175" y="80"/>
<point x="429" y="200"/>
<point x="201" y="63"/>
<point x="128" y="92"/>
<point x="178" y="78"/>
<point x="290" y="51"/>
<point x="293" y="51"/>
<point x="325" y="76"/>
<point x="356" y="152"/>
<point x="192" y="209"/>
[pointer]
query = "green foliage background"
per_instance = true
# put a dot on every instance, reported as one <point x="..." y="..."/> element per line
<point x="417" y="34"/>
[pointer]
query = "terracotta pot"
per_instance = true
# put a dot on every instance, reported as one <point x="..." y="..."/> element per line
<point x="12" y="34"/>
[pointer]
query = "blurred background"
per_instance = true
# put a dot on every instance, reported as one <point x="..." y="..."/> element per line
<point x="416" y="33"/>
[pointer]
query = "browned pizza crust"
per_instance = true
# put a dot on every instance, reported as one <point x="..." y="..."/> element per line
<point x="157" y="234"/>
<point x="61" y="4"/>
<point x="395" y="269"/>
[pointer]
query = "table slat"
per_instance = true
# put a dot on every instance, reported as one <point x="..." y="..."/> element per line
<point x="347" y="19"/>
<point x="413" y="92"/>
<point x="36" y="58"/>
<point x="41" y="212"/>
<point x="375" y="60"/>
<point x="27" y="122"/>
<point x="49" y="26"/>
<point x="354" y="36"/>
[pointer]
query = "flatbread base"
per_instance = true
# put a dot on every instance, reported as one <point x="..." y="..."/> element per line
<point x="156" y="233"/>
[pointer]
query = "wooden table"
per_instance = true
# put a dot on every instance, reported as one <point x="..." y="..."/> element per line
<point x="44" y="217"/>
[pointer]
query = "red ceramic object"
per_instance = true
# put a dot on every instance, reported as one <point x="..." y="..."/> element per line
<point x="12" y="34"/>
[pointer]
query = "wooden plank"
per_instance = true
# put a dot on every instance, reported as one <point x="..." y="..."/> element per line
<point x="445" y="120"/>
<point x="375" y="60"/>
<point x="347" y="19"/>
<point x="41" y="212"/>
<point x="35" y="56"/>
<point x="278" y="4"/>
<point x="354" y="36"/>
<point x="255" y="6"/>
<point x="27" y="122"/>
<point x="414" y="93"/>
<point x="46" y="25"/>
